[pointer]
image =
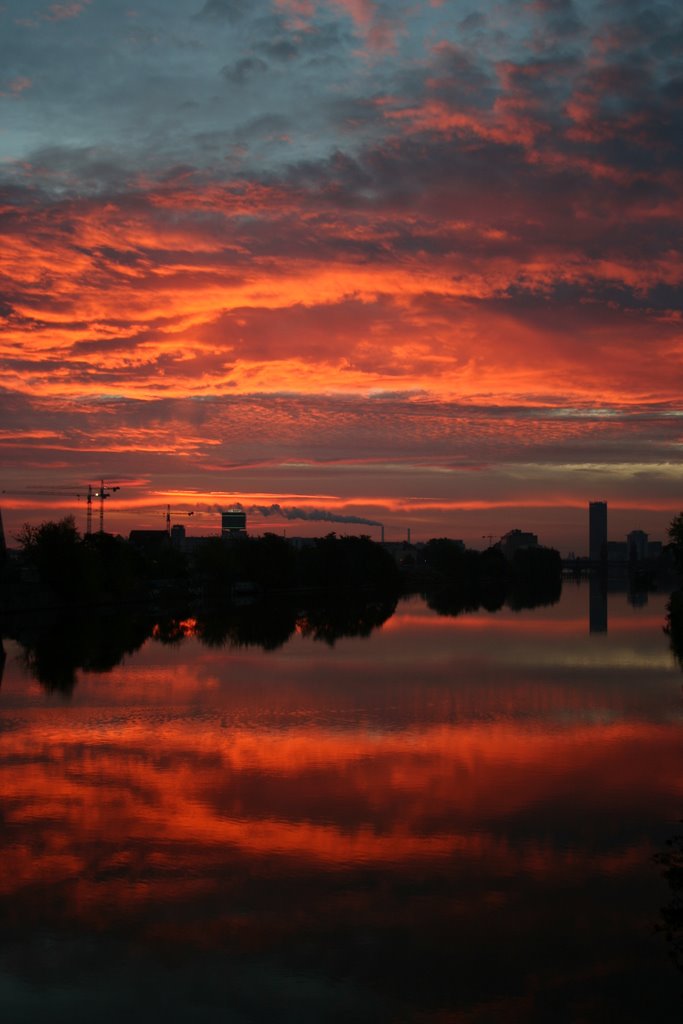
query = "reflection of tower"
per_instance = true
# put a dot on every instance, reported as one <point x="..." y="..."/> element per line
<point x="597" y="531"/>
<point x="597" y="606"/>
<point x="637" y="598"/>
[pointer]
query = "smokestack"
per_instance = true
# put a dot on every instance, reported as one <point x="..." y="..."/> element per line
<point x="382" y="534"/>
<point x="409" y="535"/>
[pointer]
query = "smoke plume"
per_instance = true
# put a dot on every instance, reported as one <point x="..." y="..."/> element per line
<point x="320" y="515"/>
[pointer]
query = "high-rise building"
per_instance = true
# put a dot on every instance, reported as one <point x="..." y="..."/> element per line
<point x="3" y="544"/>
<point x="597" y="531"/>
<point x="233" y="522"/>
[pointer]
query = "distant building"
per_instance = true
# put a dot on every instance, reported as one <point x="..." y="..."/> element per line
<point x="517" y="540"/>
<point x="654" y="549"/>
<point x="637" y="542"/>
<point x="616" y="551"/>
<point x="233" y="522"/>
<point x="3" y="544"/>
<point x="149" y="540"/>
<point x="178" y="535"/>
<point x="597" y="531"/>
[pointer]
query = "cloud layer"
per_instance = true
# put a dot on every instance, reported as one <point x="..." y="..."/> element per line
<point x="439" y="241"/>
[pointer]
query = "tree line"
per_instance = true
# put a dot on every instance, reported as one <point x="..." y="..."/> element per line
<point x="101" y="566"/>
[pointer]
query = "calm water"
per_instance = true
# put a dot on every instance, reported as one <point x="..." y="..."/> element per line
<point x="451" y="820"/>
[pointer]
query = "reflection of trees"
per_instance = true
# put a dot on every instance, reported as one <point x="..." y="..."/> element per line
<point x="57" y="648"/>
<point x="347" y="618"/>
<point x="674" y="624"/>
<point x="671" y="860"/>
<point x="457" y="600"/>
<point x="525" y="593"/>
<point x="487" y="579"/>
<point x="491" y="595"/>
<point x="268" y="625"/>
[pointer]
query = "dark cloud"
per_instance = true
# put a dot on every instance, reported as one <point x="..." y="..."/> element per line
<point x="457" y="77"/>
<point x="243" y="70"/>
<point x="284" y="49"/>
<point x="559" y="24"/>
<point x="472" y="21"/>
<point x="232" y="10"/>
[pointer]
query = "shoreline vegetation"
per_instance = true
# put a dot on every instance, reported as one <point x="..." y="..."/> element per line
<point x="83" y="603"/>
<point x="674" y="610"/>
<point x="56" y="567"/>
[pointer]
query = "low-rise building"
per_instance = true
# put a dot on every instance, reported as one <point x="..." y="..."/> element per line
<point x="517" y="540"/>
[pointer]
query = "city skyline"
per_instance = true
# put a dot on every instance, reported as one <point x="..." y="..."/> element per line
<point x="293" y="521"/>
<point x="412" y="263"/>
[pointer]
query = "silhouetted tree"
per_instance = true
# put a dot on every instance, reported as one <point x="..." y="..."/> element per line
<point x="54" y="550"/>
<point x="675" y="532"/>
<point x="671" y="860"/>
<point x="535" y="578"/>
<point x="674" y="624"/>
<point x="347" y="562"/>
<point x="447" y="557"/>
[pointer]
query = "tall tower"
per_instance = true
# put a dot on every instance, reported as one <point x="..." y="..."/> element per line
<point x="597" y="531"/>
<point x="3" y="544"/>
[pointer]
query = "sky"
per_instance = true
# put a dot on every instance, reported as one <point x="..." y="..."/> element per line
<point x="413" y="262"/>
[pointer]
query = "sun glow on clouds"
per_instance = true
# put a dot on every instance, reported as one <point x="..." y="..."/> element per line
<point x="465" y="255"/>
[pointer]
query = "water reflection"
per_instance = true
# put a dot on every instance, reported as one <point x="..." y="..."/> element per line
<point x="433" y="819"/>
<point x="674" y="624"/>
<point x="671" y="861"/>
<point x="56" y="647"/>
<point x="597" y="603"/>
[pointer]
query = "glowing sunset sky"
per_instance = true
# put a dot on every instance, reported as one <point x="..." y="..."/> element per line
<point x="412" y="260"/>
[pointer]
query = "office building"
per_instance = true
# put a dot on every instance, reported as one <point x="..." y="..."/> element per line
<point x="597" y="531"/>
<point x="637" y="542"/>
<point x="517" y="540"/>
<point x="233" y="522"/>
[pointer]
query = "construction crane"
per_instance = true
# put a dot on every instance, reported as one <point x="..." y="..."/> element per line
<point x="88" y="507"/>
<point x="168" y="518"/>
<point x="102" y="493"/>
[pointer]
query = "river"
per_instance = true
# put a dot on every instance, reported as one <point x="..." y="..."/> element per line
<point x="452" y="819"/>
